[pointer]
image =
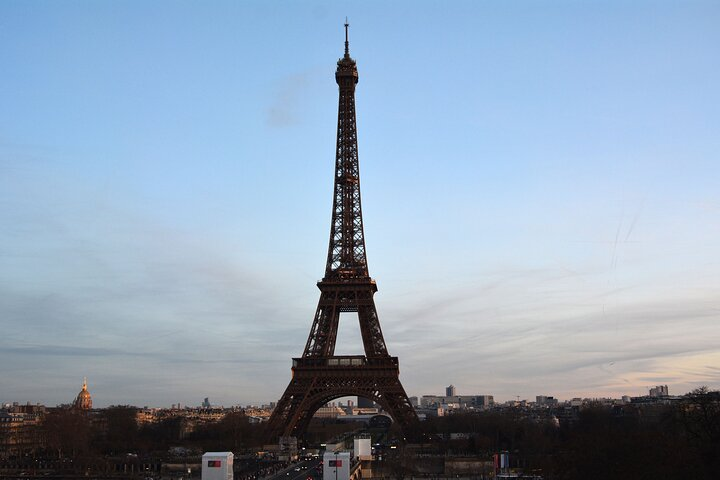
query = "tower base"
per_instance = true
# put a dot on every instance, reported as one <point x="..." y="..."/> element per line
<point x="317" y="381"/>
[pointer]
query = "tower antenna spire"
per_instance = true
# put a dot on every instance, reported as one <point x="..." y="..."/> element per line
<point x="347" y="42"/>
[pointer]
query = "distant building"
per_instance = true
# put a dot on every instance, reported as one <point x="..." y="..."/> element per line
<point x="20" y="429"/>
<point x="365" y="403"/>
<point x="414" y="401"/>
<point x="83" y="401"/>
<point x="450" y="391"/>
<point x="463" y="401"/>
<point x="329" y="411"/>
<point x="484" y="400"/>
<point x="364" y="411"/>
<point x="206" y="403"/>
<point x="659" y="391"/>
<point x="546" y="401"/>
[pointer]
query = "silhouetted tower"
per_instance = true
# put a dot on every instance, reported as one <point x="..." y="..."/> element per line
<point x="319" y="375"/>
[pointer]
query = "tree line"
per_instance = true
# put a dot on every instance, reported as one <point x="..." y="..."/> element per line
<point x="676" y="441"/>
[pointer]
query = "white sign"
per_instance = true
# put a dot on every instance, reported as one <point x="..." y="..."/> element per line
<point x="217" y="466"/>
<point x="336" y="466"/>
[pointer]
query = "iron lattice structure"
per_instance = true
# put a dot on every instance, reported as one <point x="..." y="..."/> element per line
<point x="319" y="375"/>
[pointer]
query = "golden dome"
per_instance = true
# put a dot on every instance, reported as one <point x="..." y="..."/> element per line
<point x="83" y="401"/>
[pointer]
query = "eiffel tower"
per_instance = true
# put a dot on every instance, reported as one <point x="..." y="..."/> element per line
<point x="320" y="376"/>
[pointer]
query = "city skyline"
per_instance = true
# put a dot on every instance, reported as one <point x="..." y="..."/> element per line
<point x="84" y="398"/>
<point x="166" y="188"/>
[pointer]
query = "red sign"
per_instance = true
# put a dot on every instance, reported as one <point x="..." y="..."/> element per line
<point x="214" y="463"/>
<point x="336" y="463"/>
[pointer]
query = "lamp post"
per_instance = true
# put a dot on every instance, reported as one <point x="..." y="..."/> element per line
<point x="336" y="460"/>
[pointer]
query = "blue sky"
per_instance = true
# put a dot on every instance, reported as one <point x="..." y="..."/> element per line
<point x="540" y="193"/>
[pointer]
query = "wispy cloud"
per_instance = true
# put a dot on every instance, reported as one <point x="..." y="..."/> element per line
<point x="514" y="337"/>
<point x="286" y="107"/>
<point x="61" y="351"/>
